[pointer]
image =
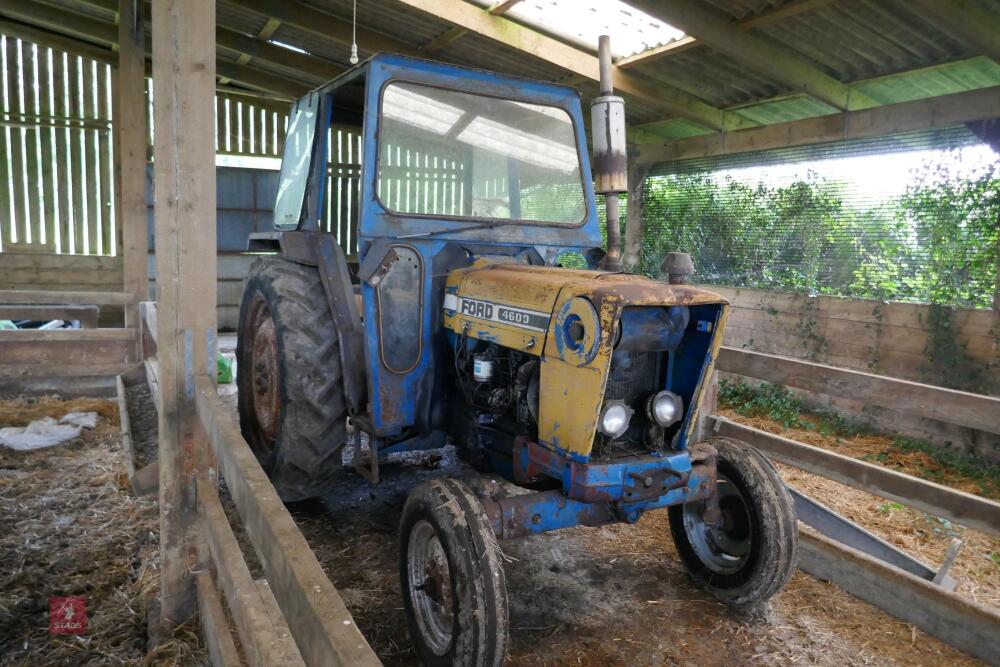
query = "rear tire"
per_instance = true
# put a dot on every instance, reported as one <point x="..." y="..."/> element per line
<point x="751" y="556"/>
<point x="452" y="578"/>
<point x="291" y="398"/>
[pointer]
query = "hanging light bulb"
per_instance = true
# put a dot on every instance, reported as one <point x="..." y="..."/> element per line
<point x="354" y="35"/>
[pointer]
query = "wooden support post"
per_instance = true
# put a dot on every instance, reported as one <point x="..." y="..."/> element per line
<point x="636" y="209"/>
<point x="184" y="178"/>
<point x="130" y="167"/>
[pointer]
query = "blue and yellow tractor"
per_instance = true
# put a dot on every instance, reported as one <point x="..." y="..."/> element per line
<point x="462" y="322"/>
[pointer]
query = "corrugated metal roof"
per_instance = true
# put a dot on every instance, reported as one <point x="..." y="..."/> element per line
<point x="862" y="42"/>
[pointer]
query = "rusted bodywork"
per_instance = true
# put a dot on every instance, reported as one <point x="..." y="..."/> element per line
<point x="574" y="373"/>
<point x="444" y="293"/>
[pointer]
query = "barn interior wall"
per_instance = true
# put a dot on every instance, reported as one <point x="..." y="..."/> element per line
<point x="957" y="348"/>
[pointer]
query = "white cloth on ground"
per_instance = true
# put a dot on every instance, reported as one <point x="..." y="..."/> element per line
<point x="47" y="432"/>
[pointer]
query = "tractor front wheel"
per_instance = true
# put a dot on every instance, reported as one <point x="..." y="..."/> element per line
<point x="749" y="554"/>
<point x="452" y="578"/>
<point x="288" y="373"/>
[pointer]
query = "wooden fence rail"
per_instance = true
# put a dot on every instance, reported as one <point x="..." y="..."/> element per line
<point x="316" y="615"/>
<point x="948" y="405"/>
<point x="954" y="619"/>
<point x="962" y="508"/>
<point x="291" y="616"/>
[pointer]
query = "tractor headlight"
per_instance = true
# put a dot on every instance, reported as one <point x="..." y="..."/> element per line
<point x="614" y="419"/>
<point x="665" y="408"/>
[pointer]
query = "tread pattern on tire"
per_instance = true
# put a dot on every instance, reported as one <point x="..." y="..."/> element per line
<point x="777" y="548"/>
<point x="312" y="424"/>
<point x="465" y="532"/>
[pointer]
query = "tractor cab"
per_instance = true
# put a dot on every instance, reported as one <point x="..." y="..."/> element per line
<point x="447" y="285"/>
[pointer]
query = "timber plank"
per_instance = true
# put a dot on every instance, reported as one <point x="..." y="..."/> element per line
<point x="104" y="166"/>
<point x="77" y="181"/>
<point x="65" y="335"/>
<point x="53" y="355"/>
<point x="888" y="337"/>
<point x="948" y="436"/>
<point x="27" y="279"/>
<point x="966" y="625"/>
<point x="214" y="624"/>
<point x="62" y="167"/>
<point x="323" y="628"/>
<point x="6" y="147"/>
<point x="837" y="352"/>
<point x="45" y="297"/>
<point x="15" y="53"/>
<point x="947" y="405"/>
<point x="266" y="642"/>
<point x="34" y="370"/>
<point x="86" y="315"/>
<point x="46" y="106"/>
<point x="126" y="427"/>
<point x="95" y="219"/>
<point x="65" y="263"/>
<point x="34" y="220"/>
<point x="972" y="321"/>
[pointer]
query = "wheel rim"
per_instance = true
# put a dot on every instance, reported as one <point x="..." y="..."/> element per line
<point x="429" y="587"/>
<point x="723" y="548"/>
<point x="264" y="381"/>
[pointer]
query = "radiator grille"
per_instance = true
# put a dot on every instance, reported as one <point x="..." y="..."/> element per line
<point x="633" y="376"/>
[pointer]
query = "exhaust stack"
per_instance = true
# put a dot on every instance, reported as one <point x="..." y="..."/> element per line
<point x="607" y="115"/>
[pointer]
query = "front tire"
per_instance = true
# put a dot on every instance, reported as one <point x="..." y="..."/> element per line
<point x="751" y="554"/>
<point x="288" y="375"/>
<point x="453" y="581"/>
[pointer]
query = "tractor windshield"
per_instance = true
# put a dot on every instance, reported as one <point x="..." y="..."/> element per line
<point x="446" y="153"/>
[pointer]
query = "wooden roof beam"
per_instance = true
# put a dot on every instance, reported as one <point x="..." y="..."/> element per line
<point x="259" y="48"/>
<point x="502" y="7"/>
<point x="773" y="15"/>
<point x="943" y="111"/>
<point x="969" y="20"/>
<point x="444" y="39"/>
<point x="60" y="21"/>
<point x="264" y="81"/>
<point x="270" y="27"/>
<point x="54" y="40"/>
<point x="278" y="55"/>
<point x="106" y="33"/>
<point x="665" y="98"/>
<point x="326" y="25"/>
<point x="716" y="29"/>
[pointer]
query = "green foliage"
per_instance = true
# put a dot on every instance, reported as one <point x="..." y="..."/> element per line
<point x="985" y="474"/>
<point x="777" y="403"/>
<point x="936" y="243"/>
<point x="766" y="400"/>
<point x="887" y="507"/>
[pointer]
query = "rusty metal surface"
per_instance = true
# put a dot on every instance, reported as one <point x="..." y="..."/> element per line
<point x="265" y="373"/>
<point x="340" y="297"/>
<point x="574" y="373"/>
<point x="593" y="495"/>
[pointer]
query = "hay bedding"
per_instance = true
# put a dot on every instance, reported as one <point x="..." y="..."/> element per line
<point x="69" y="525"/>
<point x="611" y="596"/>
